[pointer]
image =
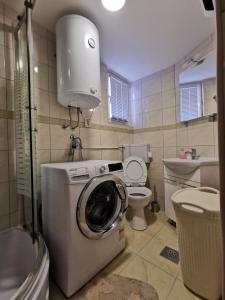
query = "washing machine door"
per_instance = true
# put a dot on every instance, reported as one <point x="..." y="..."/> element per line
<point x="101" y="206"/>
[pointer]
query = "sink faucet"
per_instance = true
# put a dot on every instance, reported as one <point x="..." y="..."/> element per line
<point x="193" y="153"/>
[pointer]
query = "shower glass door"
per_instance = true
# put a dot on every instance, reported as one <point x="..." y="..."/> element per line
<point x="25" y="114"/>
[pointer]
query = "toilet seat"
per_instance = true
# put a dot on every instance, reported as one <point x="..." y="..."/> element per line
<point x="139" y="193"/>
<point x="135" y="171"/>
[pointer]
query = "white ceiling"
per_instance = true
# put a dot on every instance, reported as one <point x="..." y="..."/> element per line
<point x="144" y="37"/>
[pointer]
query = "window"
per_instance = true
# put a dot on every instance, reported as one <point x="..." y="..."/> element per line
<point x="118" y="91"/>
<point x="191" y="101"/>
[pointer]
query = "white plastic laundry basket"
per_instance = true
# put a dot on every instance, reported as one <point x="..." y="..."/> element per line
<point x="199" y="236"/>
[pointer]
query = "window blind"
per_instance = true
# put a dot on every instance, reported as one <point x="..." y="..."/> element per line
<point x="190" y="101"/>
<point x="118" y="91"/>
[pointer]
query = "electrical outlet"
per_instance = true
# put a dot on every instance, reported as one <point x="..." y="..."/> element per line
<point x="87" y="122"/>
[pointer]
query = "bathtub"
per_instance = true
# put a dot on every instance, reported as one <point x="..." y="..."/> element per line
<point x="24" y="266"/>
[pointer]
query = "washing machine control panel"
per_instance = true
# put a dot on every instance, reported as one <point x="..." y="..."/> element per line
<point x="78" y="174"/>
<point x="109" y="168"/>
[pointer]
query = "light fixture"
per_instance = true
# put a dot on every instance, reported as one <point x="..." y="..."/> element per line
<point x="113" y="5"/>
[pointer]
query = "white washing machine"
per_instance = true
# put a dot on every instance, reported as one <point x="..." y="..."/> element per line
<point x="83" y="204"/>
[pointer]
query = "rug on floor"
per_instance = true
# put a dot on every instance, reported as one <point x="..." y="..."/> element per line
<point x="116" y="287"/>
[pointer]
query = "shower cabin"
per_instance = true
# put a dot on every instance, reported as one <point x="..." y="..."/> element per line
<point x="24" y="264"/>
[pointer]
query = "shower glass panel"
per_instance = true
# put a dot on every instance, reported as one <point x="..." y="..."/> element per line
<point x="25" y="114"/>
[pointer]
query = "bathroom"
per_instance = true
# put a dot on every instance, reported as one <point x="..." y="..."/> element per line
<point x="157" y="48"/>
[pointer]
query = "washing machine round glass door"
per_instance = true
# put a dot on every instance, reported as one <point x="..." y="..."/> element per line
<point x="101" y="206"/>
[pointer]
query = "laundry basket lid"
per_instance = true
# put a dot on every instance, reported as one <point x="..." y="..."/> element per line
<point x="196" y="198"/>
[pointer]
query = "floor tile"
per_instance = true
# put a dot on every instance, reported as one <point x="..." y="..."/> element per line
<point x="180" y="292"/>
<point x="179" y="275"/>
<point x="119" y="263"/>
<point x="140" y="269"/>
<point x="151" y="252"/>
<point x="136" y="240"/>
<point x="168" y="234"/>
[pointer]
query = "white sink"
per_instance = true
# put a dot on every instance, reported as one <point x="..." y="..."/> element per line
<point x="186" y="166"/>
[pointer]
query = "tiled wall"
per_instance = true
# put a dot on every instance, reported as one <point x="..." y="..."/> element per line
<point x="156" y="100"/>
<point x="9" y="202"/>
<point x="154" y="119"/>
<point x="52" y="140"/>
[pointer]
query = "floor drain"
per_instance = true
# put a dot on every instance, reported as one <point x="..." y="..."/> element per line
<point x="170" y="254"/>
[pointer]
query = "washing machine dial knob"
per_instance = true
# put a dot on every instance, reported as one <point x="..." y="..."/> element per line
<point x="102" y="169"/>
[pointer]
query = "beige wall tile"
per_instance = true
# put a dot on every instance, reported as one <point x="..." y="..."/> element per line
<point x="52" y="80"/>
<point x="42" y="100"/>
<point x="51" y="44"/>
<point x="14" y="197"/>
<point x="40" y="48"/>
<point x="109" y="139"/>
<point x="43" y="136"/>
<point x="3" y="135"/>
<point x="201" y="134"/>
<point x="155" y="138"/>
<point x="182" y="137"/>
<point x="168" y="81"/>
<point x="151" y="85"/>
<point x="124" y="138"/>
<point x="10" y="20"/>
<point x="43" y="156"/>
<point x="41" y="78"/>
<point x="146" y="119"/>
<point x="91" y="138"/>
<point x="170" y="138"/>
<point x="3" y="102"/>
<point x="57" y="110"/>
<point x="157" y="154"/>
<point x="4" y="222"/>
<point x="2" y="62"/>
<point x="170" y="152"/>
<point x="169" y="116"/>
<point x="4" y="174"/>
<point x="4" y="199"/>
<point x="138" y="138"/>
<point x="168" y="98"/>
<point x="8" y="94"/>
<point x="9" y="63"/>
<point x="92" y="154"/>
<point x="215" y="132"/>
<point x="156" y="170"/>
<point x="111" y="155"/>
<point x="155" y="118"/>
<point x="59" y="155"/>
<point x="12" y="164"/>
<point x="155" y="102"/>
<point x="205" y="151"/>
<point x="60" y="138"/>
<point x="11" y="135"/>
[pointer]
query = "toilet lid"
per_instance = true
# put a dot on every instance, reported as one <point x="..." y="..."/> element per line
<point x="135" y="171"/>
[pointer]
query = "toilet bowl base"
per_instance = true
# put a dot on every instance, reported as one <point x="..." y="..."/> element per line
<point x="138" y="221"/>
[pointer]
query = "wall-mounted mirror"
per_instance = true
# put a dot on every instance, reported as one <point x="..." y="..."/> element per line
<point x="197" y="87"/>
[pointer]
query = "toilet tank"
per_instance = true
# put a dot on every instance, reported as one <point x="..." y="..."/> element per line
<point x="78" y="62"/>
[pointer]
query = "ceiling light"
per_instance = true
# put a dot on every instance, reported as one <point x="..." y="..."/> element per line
<point x="113" y="5"/>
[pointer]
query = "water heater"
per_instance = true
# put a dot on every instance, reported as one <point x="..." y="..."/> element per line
<point x="78" y="62"/>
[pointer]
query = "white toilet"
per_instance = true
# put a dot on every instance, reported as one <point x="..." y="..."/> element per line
<point x="135" y="176"/>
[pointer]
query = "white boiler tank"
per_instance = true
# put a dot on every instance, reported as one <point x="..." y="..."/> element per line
<point x="78" y="62"/>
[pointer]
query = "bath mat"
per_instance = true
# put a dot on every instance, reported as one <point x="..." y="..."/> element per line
<point x="170" y="254"/>
<point x="116" y="287"/>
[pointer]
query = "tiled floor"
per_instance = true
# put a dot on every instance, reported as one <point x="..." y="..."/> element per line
<point x="141" y="260"/>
